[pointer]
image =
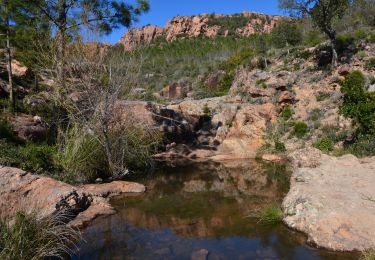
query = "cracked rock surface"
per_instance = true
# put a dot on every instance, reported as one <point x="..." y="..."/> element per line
<point x="43" y="196"/>
<point x="332" y="201"/>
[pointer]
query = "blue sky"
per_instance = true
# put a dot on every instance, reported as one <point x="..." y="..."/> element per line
<point x="163" y="10"/>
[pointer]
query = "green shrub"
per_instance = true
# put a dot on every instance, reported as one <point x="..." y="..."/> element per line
<point x="324" y="144"/>
<point x="286" y="33"/>
<point x="286" y="113"/>
<point x="300" y="129"/>
<point x="371" y="63"/>
<point x="361" y="34"/>
<point x="229" y="122"/>
<point x="31" y="238"/>
<point x="270" y="215"/>
<point x="206" y="110"/>
<point x="83" y="158"/>
<point x="372" y="80"/>
<point x="344" y="42"/>
<point x="7" y="133"/>
<point x="36" y="158"/>
<point x="313" y="37"/>
<point x="225" y="84"/>
<point x="358" y="104"/>
<point x="371" y="38"/>
<point x="333" y="133"/>
<point x="363" y="146"/>
<point x="280" y="147"/>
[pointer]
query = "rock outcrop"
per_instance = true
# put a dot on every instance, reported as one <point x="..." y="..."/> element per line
<point x="22" y="191"/>
<point x="200" y="25"/>
<point x="334" y="202"/>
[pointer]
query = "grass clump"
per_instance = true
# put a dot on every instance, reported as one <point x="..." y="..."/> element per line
<point x="286" y="113"/>
<point x="370" y="63"/>
<point x="29" y="238"/>
<point x="300" y="129"/>
<point x="270" y="215"/>
<point x="368" y="255"/>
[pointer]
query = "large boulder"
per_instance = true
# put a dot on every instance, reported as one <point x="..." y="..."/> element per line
<point x="28" y="127"/>
<point x="43" y="196"/>
<point x="334" y="202"/>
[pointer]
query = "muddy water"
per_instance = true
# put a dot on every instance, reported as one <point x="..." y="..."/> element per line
<point x="201" y="211"/>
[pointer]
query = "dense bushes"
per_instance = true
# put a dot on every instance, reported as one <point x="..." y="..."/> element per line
<point x="358" y="104"/>
<point x="286" y="33"/>
<point x="31" y="238"/>
<point x="83" y="155"/>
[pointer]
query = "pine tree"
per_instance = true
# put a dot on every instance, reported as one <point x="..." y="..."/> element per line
<point x="69" y="15"/>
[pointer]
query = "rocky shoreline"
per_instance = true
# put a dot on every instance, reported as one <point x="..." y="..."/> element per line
<point x="43" y="196"/>
<point x="332" y="200"/>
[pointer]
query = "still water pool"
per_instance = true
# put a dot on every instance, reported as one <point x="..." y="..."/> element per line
<point x="201" y="211"/>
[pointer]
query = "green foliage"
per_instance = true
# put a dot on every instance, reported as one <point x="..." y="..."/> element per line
<point x="270" y="215"/>
<point x="206" y="110"/>
<point x="300" y="129"/>
<point x="29" y="238"/>
<point x="358" y="104"/>
<point x="363" y="146"/>
<point x="324" y="144"/>
<point x="36" y="158"/>
<point x="344" y="42"/>
<point x="372" y="80"/>
<point x="286" y="33"/>
<point x="370" y="63"/>
<point x="225" y="84"/>
<point x="84" y="157"/>
<point x="279" y="146"/>
<point x="229" y="24"/>
<point x="7" y="133"/>
<point x="313" y="37"/>
<point x="286" y="113"/>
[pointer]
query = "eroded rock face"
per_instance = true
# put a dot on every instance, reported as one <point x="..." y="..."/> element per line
<point x="136" y="37"/>
<point x="333" y="203"/>
<point x="194" y="26"/>
<point x="22" y="191"/>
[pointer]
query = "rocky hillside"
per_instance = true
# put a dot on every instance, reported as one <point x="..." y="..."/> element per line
<point x="209" y="25"/>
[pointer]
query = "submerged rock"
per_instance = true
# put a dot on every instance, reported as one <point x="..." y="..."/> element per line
<point x="333" y="203"/>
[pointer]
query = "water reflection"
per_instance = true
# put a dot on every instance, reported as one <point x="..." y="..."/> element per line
<point x="197" y="206"/>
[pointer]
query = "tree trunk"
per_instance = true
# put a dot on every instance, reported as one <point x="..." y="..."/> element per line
<point x="9" y="66"/>
<point x="60" y="42"/>
<point x="332" y="37"/>
<point x="334" y="53"/>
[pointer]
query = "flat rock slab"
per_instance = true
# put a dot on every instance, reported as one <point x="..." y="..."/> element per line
<point x="22" y="191"/>
<point x="334" y="203"/>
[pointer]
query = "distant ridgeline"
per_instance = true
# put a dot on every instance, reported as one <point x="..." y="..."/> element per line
<point x="208" y="25"/>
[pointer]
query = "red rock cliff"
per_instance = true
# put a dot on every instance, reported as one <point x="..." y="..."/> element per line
<point x="209" y="25"/>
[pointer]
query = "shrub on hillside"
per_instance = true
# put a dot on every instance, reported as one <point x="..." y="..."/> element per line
<point x="285" y="34"/>
<point x="324" y="144"/>
<point x="286" y="113"/>
<point x="371" y="63"/>
<point x="300" y="129"/>
<point x="358" y="104"/>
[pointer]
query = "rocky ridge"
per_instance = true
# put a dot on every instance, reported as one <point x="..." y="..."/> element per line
<point x="200" y="25"/>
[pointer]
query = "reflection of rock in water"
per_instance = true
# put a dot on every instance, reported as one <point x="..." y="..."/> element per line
<point x="204" y="199"/>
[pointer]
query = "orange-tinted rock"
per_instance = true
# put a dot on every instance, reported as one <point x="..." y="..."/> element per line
<point x="29" y="129"/>
<point x="137" y="37"/>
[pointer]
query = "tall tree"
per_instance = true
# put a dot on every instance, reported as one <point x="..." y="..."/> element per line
<point x="101" y="15"/>
<point x="323" y="14"/>
<point x="6" y="15"/>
